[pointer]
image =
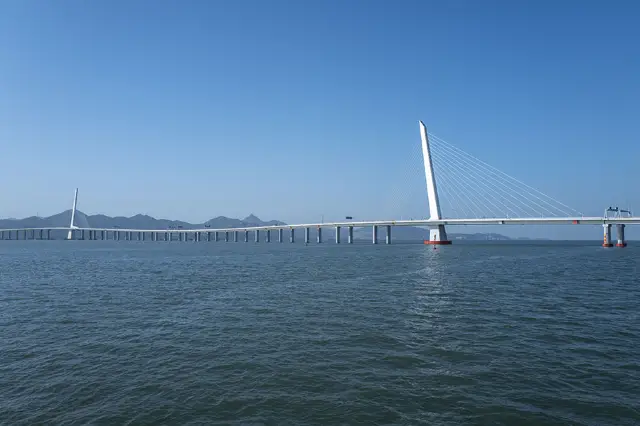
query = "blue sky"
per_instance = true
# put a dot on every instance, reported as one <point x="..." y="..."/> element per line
<point x="296" y="109"/>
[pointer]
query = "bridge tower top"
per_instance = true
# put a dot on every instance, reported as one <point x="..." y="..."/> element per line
<point x="432" y="189"/>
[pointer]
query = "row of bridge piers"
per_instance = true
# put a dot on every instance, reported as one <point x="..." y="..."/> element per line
<point x="234" y="235"/>
<point x="608" y="242"/>
<point x="164" y="235"/>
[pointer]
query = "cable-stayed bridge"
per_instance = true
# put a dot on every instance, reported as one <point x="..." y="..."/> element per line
<point x="461" y="189"/>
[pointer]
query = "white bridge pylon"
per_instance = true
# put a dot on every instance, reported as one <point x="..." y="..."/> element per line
<point x="73" y="216"/>
<point x="437" y="234"/>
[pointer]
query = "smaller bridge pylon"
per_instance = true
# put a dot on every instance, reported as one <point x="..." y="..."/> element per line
<point x="73" y="216"/>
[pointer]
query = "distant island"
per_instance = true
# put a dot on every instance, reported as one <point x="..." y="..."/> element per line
<point x="140" y="221"/>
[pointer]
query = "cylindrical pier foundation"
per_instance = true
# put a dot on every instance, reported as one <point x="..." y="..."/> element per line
<point x="621" y="241"/>
<point x="607" y="235"/>
<point x="319" y="238"/>
<point x="306" y="235"/>
<point x="374" y="234"/>
<point x="280" y="232"/>
<point x="388" y="236"/>
<point x="292" y="235"/>
<point x="337" y="235"/>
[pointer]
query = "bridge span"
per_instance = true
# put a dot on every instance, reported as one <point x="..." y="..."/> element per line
<point x="503" y="192"/>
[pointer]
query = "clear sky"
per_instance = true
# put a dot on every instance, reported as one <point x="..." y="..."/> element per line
<point x="296" y="109"/>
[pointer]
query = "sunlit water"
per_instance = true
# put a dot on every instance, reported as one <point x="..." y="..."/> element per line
<point x="281" y="334"/>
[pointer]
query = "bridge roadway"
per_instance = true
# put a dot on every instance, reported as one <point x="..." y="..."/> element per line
<point x="361" y="224"/>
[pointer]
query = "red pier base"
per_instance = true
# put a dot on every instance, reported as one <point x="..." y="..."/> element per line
<point x="607" y="245"/>
<point x="437" y="242"/>
<point x="621" y="244"/>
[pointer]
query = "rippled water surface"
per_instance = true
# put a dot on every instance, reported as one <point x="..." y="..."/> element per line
<point x="277" y="334"/>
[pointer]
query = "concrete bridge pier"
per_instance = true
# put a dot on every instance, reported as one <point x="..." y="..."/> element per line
<point x="246" y="236"/>
<point x="337" y="235"/>
<point x="216" y="236"/>
<point x="375" y="234"/>
<point x="48" y="234"/>
<point x="292" y="235"/>
<point x="280" y="232"/>
<point x="306" y="235"/>
<point x="267" y="236"/>
<point x="607" y="235"/>
<point x="235" y="236"/>
<point x="257" y="235"/>
<point x="621" y="242"/>
<point x="42" y="234"/>
<point x="388" y="236"/>
<point x="437" y="236"/>
<point x="81" y="234"/>
<point x="319" y="235"/>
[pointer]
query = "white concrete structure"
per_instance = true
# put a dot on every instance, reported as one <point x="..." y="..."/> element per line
<point x="73" y="216"/>
<point x="437" y="234"/>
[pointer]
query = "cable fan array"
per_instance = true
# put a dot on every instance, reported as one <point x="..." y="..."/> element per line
<point x="470" y="188"/>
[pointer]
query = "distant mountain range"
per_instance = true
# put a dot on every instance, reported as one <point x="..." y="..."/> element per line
<point x="139" y="221"/>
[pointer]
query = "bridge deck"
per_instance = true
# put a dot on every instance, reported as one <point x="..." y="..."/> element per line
<point x="359" y="224"/>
